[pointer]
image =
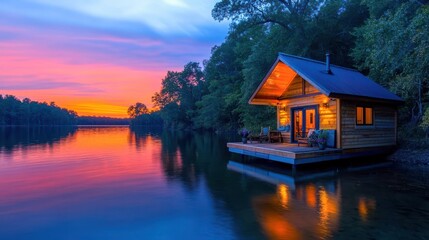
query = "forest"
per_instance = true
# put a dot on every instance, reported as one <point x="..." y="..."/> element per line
<point x="32" y="113"/>
<point x="93" y="120"/>
<point x="141" y="116"/>
<point x="384" y="39"/>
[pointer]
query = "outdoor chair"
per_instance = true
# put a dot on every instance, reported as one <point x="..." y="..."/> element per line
<point x="275" y="136"/>
<point x="304" y="139"/>
<point x="264" y="136"/>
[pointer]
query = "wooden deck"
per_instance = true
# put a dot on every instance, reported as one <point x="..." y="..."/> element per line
<point x="292" y="154"/>
<point x="285" y="152"/>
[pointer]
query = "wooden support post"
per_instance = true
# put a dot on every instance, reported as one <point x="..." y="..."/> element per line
<point x="338" y="137"/>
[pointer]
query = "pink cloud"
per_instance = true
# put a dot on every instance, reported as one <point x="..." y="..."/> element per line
<point x="25" y="71"/>
<point x="95" y="68"/>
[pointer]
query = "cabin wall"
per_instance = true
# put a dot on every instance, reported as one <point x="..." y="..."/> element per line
<point x="294" y="88"/>
<point x="327" y="115"/>
<point x="382" y="133"/>
<point x="298" y="87"/>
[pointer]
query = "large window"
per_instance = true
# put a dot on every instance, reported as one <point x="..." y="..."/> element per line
<point x="364" y="116"/>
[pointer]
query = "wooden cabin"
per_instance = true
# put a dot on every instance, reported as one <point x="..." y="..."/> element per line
<point x="308" y="94"/>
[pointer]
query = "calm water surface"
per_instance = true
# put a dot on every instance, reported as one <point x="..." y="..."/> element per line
<point x="114" y="183"/>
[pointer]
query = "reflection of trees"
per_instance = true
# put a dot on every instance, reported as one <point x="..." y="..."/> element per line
<point x="196" y="158"/>
<point x="179" y="156"/>
<point x="138" y="135"/>
<point x="330" y="207"/>
<point x="258" y="209"/>
<point x="21" y="137"/>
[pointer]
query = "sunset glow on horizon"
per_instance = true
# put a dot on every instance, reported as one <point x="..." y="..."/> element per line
<point x="98" y="57"/>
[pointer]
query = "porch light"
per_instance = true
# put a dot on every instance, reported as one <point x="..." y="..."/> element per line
<point x="325" y="104"/>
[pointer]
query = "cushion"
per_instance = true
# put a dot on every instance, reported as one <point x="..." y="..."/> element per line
<point x="310" y="132"/>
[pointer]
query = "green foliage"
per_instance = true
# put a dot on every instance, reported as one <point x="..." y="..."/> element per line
<point x="259" y="30"/>
<point x="393" y="48"/>
<point x="304" y="28"/>
<point x="387" y="38"/>
<point x="425" y="122"/>
<point x="27" y="112"/>
<point x="178" y="96"/>
<point x="147" y="119"/>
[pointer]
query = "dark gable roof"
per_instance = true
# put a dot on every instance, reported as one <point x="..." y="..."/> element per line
<point x="342" y="82"/>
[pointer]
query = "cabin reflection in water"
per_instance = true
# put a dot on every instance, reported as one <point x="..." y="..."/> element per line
<point x="303" y="207"/>
<point x="365" y="206"/>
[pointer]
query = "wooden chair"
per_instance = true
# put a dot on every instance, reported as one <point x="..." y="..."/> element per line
<point x="275" y="136"/>
<point x="264" y="135"/>
<point x="304" y="139"/>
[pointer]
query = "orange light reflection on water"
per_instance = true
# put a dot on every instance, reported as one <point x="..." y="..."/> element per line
<point x="311" y="212"/>
<point x="283" y="193"/>
<point x="365" y="207"/>
<point x="87" y="160"/>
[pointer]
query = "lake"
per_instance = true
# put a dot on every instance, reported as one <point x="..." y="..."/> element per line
<point x="115" y="183"/>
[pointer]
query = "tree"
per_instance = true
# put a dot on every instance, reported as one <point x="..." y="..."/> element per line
<point x="425" y="122"/>
<point x="287" y="14"/>
<point x="27" y="112"/>
<point x="306" y="28"/>
<point x="137" y="110"/>
<point x="178" y="96"/>
<point x="393" y="49"/>
<point x="218" y="97"/>
<point x="220" y="108"/>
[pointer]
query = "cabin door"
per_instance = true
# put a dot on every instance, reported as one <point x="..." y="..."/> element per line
<point x="304" y="119"/>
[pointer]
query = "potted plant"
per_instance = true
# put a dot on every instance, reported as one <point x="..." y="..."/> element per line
<point x="244" y="133"/>
<point x="322" y="139"/>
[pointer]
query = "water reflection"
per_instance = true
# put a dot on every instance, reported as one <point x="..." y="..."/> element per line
<point x="365" y="207"/>
<point x="310" y="205"/>
<point x="21" y="137"/>
<point x="140" y="136"/>
<point x="117" y="183"/>
<point x="296" y="210"/>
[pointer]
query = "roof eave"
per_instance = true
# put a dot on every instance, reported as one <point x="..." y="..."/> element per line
<point x="263" y="81"/>
<point x="268" y="102"/>
<point x="304" y="76"/>
<point x="372" y="99"/>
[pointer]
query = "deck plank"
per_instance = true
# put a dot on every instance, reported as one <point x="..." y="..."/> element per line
<point x="285" y="152"/>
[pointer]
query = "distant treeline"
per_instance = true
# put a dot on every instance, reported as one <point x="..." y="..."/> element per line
<point x="386" y="39"/>
<point x="26" y="112"/>
<point x="91" y="120"/>
<point x="141" y="116"/>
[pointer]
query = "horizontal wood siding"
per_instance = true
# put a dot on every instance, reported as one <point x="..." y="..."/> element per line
<point x="294" y="88"/>
<point x="327" y="115"/>
<point x="382" y="133"/>
<point x="309" y="89"/>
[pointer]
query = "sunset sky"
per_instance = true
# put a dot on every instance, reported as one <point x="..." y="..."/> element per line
<point x="97" y="57"/>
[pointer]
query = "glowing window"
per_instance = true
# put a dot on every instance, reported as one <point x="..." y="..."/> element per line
<point x="364" y="116"/>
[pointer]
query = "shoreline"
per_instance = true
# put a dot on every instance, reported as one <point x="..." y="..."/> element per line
<point x="410" y="157"/>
